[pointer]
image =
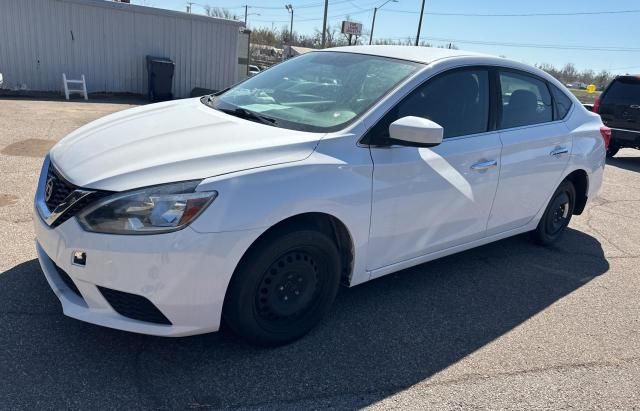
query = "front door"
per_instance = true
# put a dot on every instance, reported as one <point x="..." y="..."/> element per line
<point x="429" y="199"/>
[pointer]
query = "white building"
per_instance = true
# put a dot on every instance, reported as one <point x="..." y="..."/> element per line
<point x="108" y="41"/>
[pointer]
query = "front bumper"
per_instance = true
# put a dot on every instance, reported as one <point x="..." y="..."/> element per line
<point x="184" y="274"/>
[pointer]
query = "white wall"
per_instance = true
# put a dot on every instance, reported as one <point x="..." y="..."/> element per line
<point x="108" y="42"/>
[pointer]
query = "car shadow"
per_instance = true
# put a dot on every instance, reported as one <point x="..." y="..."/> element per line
<point x="627" y="163"/>
<point x="381" y="337"/>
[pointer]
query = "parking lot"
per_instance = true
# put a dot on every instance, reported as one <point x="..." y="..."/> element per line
<point x="507" y="325"/>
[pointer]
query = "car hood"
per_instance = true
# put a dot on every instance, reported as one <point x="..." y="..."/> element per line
<point x="173" y="141"/>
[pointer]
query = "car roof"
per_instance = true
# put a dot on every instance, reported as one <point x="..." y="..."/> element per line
<point x="419" y="54"/>
<point x="628" y="77"/>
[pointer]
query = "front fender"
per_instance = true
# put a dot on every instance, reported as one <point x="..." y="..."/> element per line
<point x="334" y="180"/>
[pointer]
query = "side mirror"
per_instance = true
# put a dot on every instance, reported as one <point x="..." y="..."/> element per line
<point x="415" y="132"/>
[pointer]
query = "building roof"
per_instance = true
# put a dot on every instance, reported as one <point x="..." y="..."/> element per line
<point x="301" y="50"/>
<point x="133" y="8"/>
<point x="413" y="53"/>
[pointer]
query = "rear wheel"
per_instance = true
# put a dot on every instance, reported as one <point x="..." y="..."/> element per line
<point x="283" y="287"/>
<point x="612" y="150"/>
<point x="557" y="216"/>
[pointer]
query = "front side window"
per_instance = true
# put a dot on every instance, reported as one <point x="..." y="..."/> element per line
<point x="317" y="92"/>
<point x="525" y="100"/>
<point x="457" y="100"/>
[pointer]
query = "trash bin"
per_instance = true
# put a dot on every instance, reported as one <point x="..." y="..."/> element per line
<point x="160" y="72"/>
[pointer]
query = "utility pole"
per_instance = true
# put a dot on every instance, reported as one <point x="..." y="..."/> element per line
<point x="324" y="24"/>
<point x="249" y="14"/>
<point x="420" y="23"/>
<point x="373" y="23"/>
<point x="289" y="8"/>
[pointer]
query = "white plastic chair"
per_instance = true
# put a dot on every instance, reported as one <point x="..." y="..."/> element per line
<point x="67" y="90"/>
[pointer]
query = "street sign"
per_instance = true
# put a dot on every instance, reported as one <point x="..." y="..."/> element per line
<point x="591" y="88"/>
<point x="351" y="27"/>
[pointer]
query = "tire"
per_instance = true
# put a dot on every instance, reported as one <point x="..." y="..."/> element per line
<point x="283" y="287"/>
<point x="612" y="151"/>
<point x="557" y="216"/>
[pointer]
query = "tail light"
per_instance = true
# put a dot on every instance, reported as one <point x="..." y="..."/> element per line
<point x="596" y="105"/>
<point x="605" y="132"/>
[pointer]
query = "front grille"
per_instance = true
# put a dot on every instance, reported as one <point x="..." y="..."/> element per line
<point x="67" y="281"/>
<point x="59" y="189"/>
<point x="134" y="306"/>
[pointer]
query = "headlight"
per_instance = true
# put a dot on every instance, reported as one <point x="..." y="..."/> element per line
<point x="151" y="210"/>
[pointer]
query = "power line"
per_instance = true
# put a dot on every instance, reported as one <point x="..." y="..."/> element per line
<point x="366" y="8"/>
<point x="314" y="19"/>
<point x="584" y="13"/>
<point x="340" y="11"/>
<point x="625" y="68"/>
<point x="301" y="6"/>
<point x="526" y="45"/>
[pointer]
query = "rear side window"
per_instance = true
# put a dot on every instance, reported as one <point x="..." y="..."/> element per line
<point x="562" y="102"/>
<point x="456" y="100"/>
<point x="623" y="91"/>
<point x="525" y="100"/>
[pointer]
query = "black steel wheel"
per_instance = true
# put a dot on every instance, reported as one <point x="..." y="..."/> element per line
<point x="289" y="286"/>
<point x="557" y="216"/>
<point x="283" y="287"/>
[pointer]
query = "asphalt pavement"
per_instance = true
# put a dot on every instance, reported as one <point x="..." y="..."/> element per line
<point x="510" y="325"/>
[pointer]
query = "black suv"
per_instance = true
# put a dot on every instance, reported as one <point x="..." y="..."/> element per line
<point x="619" y="107"/>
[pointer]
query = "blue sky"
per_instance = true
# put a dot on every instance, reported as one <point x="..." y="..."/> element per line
<point x="574" y="36"/>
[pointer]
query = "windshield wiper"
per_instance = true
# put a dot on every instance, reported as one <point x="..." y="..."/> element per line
<point x="250" y="115"/>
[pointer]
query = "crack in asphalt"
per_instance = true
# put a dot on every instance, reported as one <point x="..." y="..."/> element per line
<point x="471" y="377"/>
<point x="589" y="223"/>
<point x="30" y="314"/>
<point x="20" y="221"/>
<point x="352" y="397"/>
<point x="626" y="257"/>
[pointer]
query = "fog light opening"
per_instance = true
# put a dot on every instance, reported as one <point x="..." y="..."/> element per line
<point x="79" y="258"/>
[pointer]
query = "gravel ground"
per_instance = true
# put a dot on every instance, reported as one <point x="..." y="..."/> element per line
<point x="509" y="325"/>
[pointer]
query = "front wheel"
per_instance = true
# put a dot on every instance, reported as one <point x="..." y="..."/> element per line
<point x="557" y="216"/>
<point x="283" y="287"/>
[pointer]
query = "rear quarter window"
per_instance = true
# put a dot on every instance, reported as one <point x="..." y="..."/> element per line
<point x="562" y="102"/>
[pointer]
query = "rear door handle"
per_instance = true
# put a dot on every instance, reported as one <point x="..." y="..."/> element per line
<point x="558" y="151"/>
<point x="484" y="165"/>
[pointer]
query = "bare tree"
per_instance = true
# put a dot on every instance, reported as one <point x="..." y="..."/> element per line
<point x="333" y="37"/>
<point x="569" y="74"/>
<point x="219" y="12"/>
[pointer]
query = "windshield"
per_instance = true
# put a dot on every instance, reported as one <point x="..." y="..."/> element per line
<point x="318" y="92"/>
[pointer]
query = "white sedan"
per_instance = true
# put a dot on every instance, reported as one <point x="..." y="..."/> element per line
<point x="338" y="166"/>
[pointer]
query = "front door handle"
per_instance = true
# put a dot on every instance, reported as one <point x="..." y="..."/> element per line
<point x="558" y="151"/>
<point x="484" y="165"/>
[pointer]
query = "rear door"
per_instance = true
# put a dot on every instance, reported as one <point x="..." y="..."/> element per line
<point x="536" y="148"/>
<point x="620" y="104"/>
